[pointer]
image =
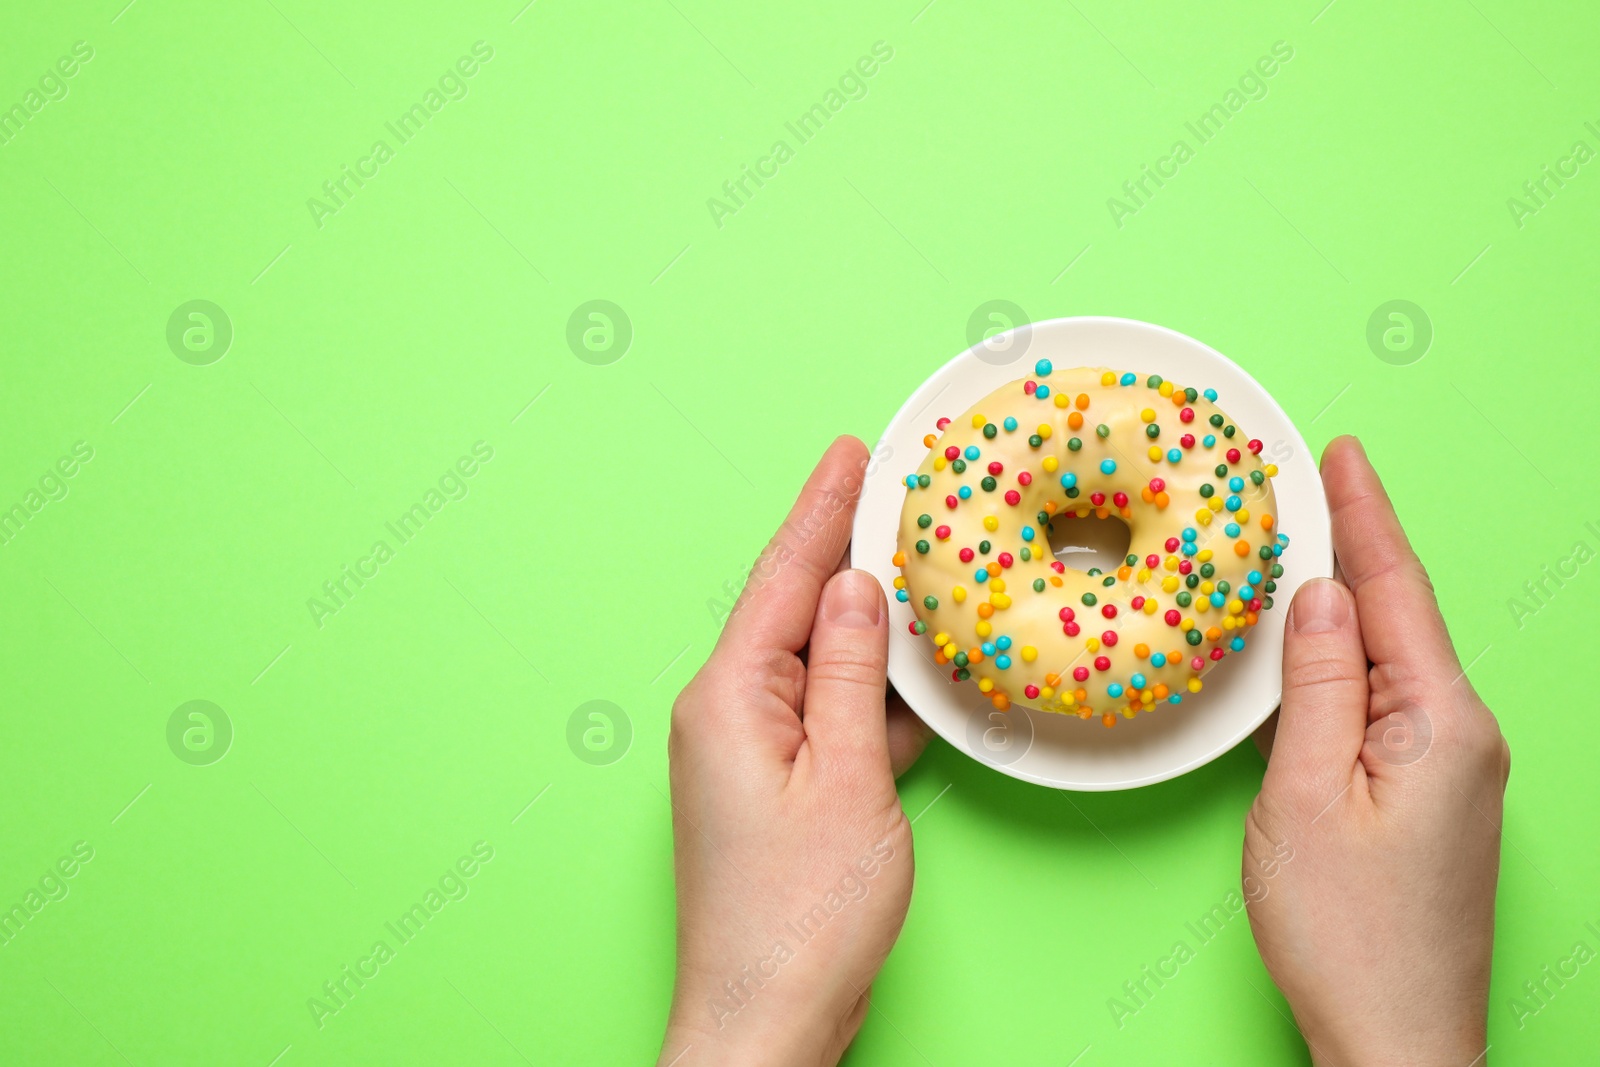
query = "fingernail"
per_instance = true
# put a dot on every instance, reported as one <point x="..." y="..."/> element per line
<point x="852" y="600"/>
<point x="1319" y="607"/>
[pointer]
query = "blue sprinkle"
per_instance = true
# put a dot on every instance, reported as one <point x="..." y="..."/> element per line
<point x="1042" y="392"/>
<point x="901" y="595"/>
<point x="988" y="648"/>
<point x="1175" y="698"/>
<point x="1254" y="577"/>
<point x="971" y="452"/>
<point x="1236" y="644"/>
<point x="1236" y="483"/>
<point x="1042" y="367"/>
<point x="1190" y="533"/>
<point x="1173" y="455"/>
<point x="1108" y="466"/>
<point x="1027" y="534"/>
<point x="1002" y="662"/>
<point x="1010" y="424"/>
<point x="980" y="575"/>
<point x="1068" y="480"/>
<point x="1129" y="379"/>
<point x="1277" y="550"/>
<point x="1232" y="529"/>
<point x="1137" y="680"/>
<point x="1189" y="548"/>
<point x="1209" y="440"/>
<point x="1158" y="659"/>
<point x="1218" y="599"/>
<point x="1211" y="395"/>
<point x="965" y="492"/>
<point x="1002" y="642"/>
<point x="911" y="481"/>
<point x="1283" y="539"/>
<point x="1114" y="689"/>
<point x="1246" y="593"/>
<point x="1234" y="503"/>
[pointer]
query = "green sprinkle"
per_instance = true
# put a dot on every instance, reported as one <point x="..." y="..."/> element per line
<point x="983" y="548"/>
<point x="930" y="602"/>
<point x="1224" y="588"/>
<point x="959" y="466"/>
<point x="1192" y="581"/>
<point x="1111" y="579"/>
<point x="919" y="627"/>
<point x="1277" y="570"/>
<point x="922" y="547"/>
<point x="963" y="674"/>
<point x="1089" y="600"/>
<point x="1074" y="444"/>
<point x="961" y="659"/>
<point x="1222" y="470"/>
<point x="1034" y="441"/>
<point x="1102" y="430"/>
<point x="1270" y="586"/>
<point x="1216" y="420"/>
<point x="1095" y="572"/>
<point x="1038" y="585"/>
<point x="1193" y="637"/>
<point x="1026" y="554"/>
<point x="1152" y="431"/>
<point x="1191" y="394"/>
<point x="1227" y="431"/>
<point x="988" y="483"/>
<point x="1265" y="552"/>
<point x="1044" y="518"/>
<point x="1154" y="381"/>
<point x="1266" y="602"/>
<point x="1207" y="490"/>
<point x="1207" y="570"/>
<point x="924" y="521"/>
<point x="990" y="430"/>
<point x="924" y="480"/>
<point x="1072" y="494"/>
<point x="1132" y="560"/>
<point x="1257" y="477"/>
<point x="1184" y="599"/>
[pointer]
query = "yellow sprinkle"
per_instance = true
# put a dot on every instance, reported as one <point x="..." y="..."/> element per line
<point x="1241" y="516"/>
<point x="1171" y="563"/>
<point x="1154" y="452"/>
<point x="1082" y="511"/>
<point x="941" y="639"/>
<point x="991" y="523"/>
<point x="1062" y="400"/>
<point x="1144" y="574"/>
<point x="940" y="463"/>
<point x="1002" y="601"/>
<point x="1215" y="503"/>
<point x="959" y="594"/>
<point x="1203" y="517"/>
<point x="950" y="650"/>
<point x="1207" y="588"/>
<point x="1147" y="696"/>
<point x="1050" y="463"/>
<point x="1166" y="389"/>
<point x="1029" y="653"/>
<point x="1128" y="712"/>
<point x="1044" y="430"/>
<point x="1204" y="556"/>
<point x="984" y="629"/>
<point x="1047" y="692"/>
<point x="900" y="582"/>
<point x="1148" y="415"/>
<point x="1272" y="470"/>
<point x="1169" y="584"/>
<point x="984" y="685"/>
<point x="978" y="421"/>
<point x="1194" y="685"/>
<point x="1149" y="607"/>
<point x="1202" y="605"/>
<point x="1236" y="606"/>
<point x="997" y="585"/>
<point x="1186" y="625"/>
<point x="1227" y="622"/>
<point x="1093" y="644"/>
<point x="1108" y="378"/>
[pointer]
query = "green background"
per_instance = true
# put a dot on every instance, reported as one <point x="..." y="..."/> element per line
<point x="589" y="556"/>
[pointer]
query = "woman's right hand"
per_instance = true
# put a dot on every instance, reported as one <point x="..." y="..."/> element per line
<point x="1371" y="854"/>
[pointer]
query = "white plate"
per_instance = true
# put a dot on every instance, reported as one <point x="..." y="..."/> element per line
<point x="1064" y="751"/>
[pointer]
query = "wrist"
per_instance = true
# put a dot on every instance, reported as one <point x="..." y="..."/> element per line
<point x="754" y="1027"/>
<point x="1430" y="1045"/>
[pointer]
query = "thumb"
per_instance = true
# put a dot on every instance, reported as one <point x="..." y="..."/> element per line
<point x="846" y="671"/>
<point x="1323" y="721"/>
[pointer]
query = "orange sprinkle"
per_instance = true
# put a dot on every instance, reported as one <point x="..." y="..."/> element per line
<point x="985" y="610"/>
<point x="1081" y="694"/>
<point x="1052" y="679"/>
<point x="993" y="569"/>
<point x="1266" y="522"/>
<point x="1001" y="701"/>
<point x="1241" y="548"/>
<point x="1213" y="633"/>
<point x="1109" y="720"/>
<point x="1101" y="512"/>
<point x="1251" y="618"/>
<point x="1161" y="692"/>
<point x="975" y="655"/>
<point x="1083" y="401"/>
<point x="1162" y="500"/>
<point x="899" y="559"/>
<point x="1055" y="580"/>
<point x="1147" y="496"/>
<point x="1049" y="507"/>
<point x="939" y="656"/>
<point x="1142" y="651"/>
<point x="1123" y="571"/>
<point x="1075" y="421"/>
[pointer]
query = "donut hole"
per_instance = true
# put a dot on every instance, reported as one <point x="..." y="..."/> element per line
<point x="1090" y="542"/>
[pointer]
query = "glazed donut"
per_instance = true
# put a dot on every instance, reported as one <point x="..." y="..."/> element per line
<point x="977" y="568"/>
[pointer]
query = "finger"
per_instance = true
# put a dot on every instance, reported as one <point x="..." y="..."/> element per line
<point x="1323" y="721"/>
<point x="846" y="672"/>
<point x="1265" y="734"/>
<point x="779" y="600"/>
<point x="908" y="735"/>
<point x="1400" y="616"/>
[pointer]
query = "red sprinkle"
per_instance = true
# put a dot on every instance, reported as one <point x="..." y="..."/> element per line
<point x="1216" y="653"/>
<point x="1197" y="664"/>
<point x="1013" y="497"/>
<point x="952" y="452"/>
<point x="942" y="533"/>
<point x="1066" y="614"/>
<point x="942" y="423"/>
<point x="1024" y="478"/>
<point x="1097" y="499"/>
<point x="1254" y="446"/>
<point x="995" y="467"/>
<point x="1172" y="544"/>
<point x="1029" y="386"/>
<point x="1057" y="566"/>
<point x="1030" y="691"/>
<point x="951" y="502"/>
<point x="1152" y="561"/>
<point x="1101" y="663"/>
<point x="1120" y="499"/>
<point x="1108" y="638"/>
<point x="1185" y="566"/>
<point x="966" y="555"/>
<point x="1233" y="455"/>
<point x="1080" y="674"/>
<point x="1006" y="559"/>
<point x="1187" y="440"/>
<point x="1172" y="617"/>
<point x="1157" y="484"/>
<point x="1109" y="610"/>
<point x="913" y="628"/>
<point x="1186" y="415"/>
<point x="1071" y="629"/>
<point x="1136" y="603"/>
